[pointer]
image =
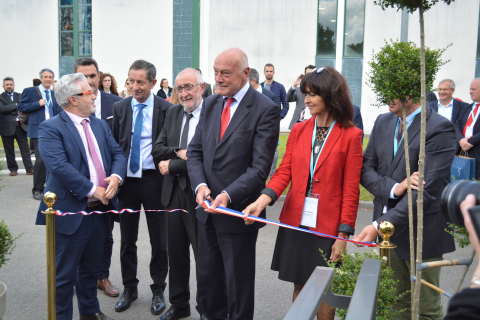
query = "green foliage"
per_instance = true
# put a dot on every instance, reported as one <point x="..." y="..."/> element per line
<point x="410" y="5"/>
<point x="460" y="234"/>
<point x="346" y="277"/>
<point x="395" y="72"/>
<point x="7" y="243"/>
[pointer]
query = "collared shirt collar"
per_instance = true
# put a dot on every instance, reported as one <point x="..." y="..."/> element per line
<point x="197" y="111"/>
<point x="240" y="94"/>
<point x="259" y="89"/>
<point x="147" y="102"/>
<point x="411" y="116"/>
<point x="76" y="119"/>
<point x="42" y="88"/>
<point x="447" y="106"/>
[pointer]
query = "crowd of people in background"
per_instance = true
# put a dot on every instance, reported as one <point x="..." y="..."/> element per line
<point x="101" y="149"/>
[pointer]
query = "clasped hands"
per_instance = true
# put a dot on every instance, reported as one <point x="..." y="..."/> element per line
<point x="105" y="195"/>
<point x="163" y="165"/>
<point x="464" y="144"/>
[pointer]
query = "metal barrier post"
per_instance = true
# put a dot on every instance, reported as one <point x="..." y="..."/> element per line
<point x="50" y="199"/>
<point x="386" y="229"/>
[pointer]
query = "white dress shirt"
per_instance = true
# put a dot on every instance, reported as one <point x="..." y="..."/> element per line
<point x="192" y="125"/>
<point x="42" y="90"/>
<point x="98" y="105"/>
<point x="445" y="111"/>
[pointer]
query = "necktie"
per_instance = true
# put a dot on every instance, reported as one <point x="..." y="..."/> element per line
<point x="225" y="116"/>
<point x="470" y="118"/>
<point x="11" y="96"/>
<point x="183" y="140"/>
<point x="400" y="132"/>
<point x="49" y="103"/>
<point x="93" y="153"/>
<point x="137" y="135"/>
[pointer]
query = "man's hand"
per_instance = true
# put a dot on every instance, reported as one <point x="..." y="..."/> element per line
<point x="367" y="235"/>
<point x="402" y="188"/>
<point x="182" y="154"/>
<point x="100" y="195"/>
<point x="297" y="81"/>
<point x="221" y="200"/>
<point x="113" y="183"/>
<point x="202" y="193"/>
<point x="42" y="102"/>
<point x="337" y="249"/>
<point x="464" y="144"/>
<point x="163" y="167"/>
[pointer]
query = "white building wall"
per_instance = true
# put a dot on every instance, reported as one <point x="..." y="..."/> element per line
<point x="124" y="31"/>
<point x="280" y="32"/>
<point x="29" y="40"/>
<point x="444" y="24"/>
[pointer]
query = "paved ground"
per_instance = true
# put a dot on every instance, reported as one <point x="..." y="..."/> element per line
<point x="25" y="274"/>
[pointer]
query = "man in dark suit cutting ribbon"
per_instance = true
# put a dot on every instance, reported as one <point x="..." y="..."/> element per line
<point x="228" y="160"/>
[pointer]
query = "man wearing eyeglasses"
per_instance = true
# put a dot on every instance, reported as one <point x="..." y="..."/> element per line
<point x="170" y="151"/>
<point x="85" y="166"/>
<point x="41" y="104"/>
<point x="137" y="122"/>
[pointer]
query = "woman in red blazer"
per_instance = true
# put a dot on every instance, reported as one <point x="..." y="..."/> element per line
<point x="329" y="145"/>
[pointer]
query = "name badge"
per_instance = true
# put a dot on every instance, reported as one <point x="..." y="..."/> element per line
<point x="309" y="213"/>
<point x="469" y="132"/>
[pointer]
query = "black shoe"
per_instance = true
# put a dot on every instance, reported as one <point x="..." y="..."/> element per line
<point x="96" y="316"/>
<point x="175" y="313"/>
<point x="37" y="195"/>
<point x="203" y="317"/>
<point x="126" y="299"/>
<point x="158" y="303"/>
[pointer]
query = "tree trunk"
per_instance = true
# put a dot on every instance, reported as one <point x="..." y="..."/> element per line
<point x="409" y="194"/>
<point x="421" y="169"/>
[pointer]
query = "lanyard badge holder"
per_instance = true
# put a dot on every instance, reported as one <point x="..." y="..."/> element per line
<point x="310" y="204"/>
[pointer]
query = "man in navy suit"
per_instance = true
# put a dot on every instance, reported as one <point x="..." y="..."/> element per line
<point x="40" y="102"/>
<point x="228" y="160"/>
<point x="447" y="106"/>
<point x="85" y="166"/>
<point x="103" y="110"/>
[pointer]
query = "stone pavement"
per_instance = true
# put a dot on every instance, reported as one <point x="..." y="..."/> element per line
<point x="25" y="273"/>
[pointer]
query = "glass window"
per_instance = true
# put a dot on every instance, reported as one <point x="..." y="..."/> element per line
<point x="85" y="18"/>
<point x="80" y="2"/>
<point x="85" y="44"/>
<point x="66" y="19"/>
<point x="66" y="44"/>
<point x="354" y="25"/>
<point x="327" y="28"/>
<point x="66" y="2"/>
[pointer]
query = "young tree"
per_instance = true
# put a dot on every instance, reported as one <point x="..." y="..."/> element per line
<point x="395" y="76"/>
<point x="422" y="6"/>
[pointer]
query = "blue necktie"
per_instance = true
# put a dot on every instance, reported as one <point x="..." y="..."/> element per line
<point x="49" y="103"/>
<point x="137" y="136"/>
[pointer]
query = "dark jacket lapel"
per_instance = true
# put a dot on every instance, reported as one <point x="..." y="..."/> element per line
<point x="239" y="115"/>
<point x="456" y="110"/>
<point x="73" y="130"/>
<point x="389" y="138"/>
<point x="97" y="132"/>
<point x="104" y="105"/>
<point x="178" y="126"/>
<point x="217" y="117"/>
<point x="156" y="112"/>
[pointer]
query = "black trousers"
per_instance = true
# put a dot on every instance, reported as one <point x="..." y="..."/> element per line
<point x="9" y="147"/>
<point x="182" y="232"/>
<point x="134" y="193"/>
<point x="104" y="272"/>
<point x="226" y="273"/>
<point x="39" y="172"/>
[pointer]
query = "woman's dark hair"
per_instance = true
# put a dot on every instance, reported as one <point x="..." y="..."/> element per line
<point x="36" y="82"/>
<point x="161" y="82"/>
<point x="113" y="86"/>
<point x="332" y="87"/>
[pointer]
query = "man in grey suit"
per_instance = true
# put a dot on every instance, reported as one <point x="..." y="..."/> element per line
<point x="294" y="94"/>
<point x="11" y="128"/>
<point x="384" y="175"/>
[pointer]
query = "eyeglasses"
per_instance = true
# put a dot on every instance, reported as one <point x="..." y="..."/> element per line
<point x="188" y="88"/>
<point x="83" y="94"/>
<point x="319" y="70"/>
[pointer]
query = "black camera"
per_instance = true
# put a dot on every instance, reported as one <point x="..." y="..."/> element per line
<point x="453" y="195"/>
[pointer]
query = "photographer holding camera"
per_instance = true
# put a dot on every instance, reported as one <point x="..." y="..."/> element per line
<point x="466" y="304"/>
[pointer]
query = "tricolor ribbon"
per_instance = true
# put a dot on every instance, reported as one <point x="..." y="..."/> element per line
<point x="237" y="214"/>
<point x="85" y="213"/>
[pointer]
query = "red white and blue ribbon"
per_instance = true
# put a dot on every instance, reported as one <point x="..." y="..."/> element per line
<point x="234" y="213"/>
<point x="85" y="213"/>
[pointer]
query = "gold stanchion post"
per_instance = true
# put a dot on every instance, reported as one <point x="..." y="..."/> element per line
<point x="386" y="229"/>
<point x="50" y="199"/>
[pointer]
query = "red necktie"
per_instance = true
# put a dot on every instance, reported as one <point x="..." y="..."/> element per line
<point x="225" y="116"/>
<point x="470" y="118"/>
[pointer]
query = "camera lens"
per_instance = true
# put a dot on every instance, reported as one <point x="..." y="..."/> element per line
<point x="452" y="197"/>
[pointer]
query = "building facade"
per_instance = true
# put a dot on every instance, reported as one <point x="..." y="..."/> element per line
<point x="174" y="34"/>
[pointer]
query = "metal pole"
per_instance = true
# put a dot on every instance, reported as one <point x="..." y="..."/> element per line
<point x="50" y="199"/>
<point x="386" y="229"/>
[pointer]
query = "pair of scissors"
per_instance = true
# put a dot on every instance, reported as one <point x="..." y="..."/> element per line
<point x="208" y="195"/>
